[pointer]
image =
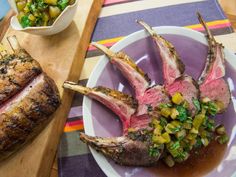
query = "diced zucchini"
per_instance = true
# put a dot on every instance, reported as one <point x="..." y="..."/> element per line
<point x="181" y="134"/>
<point x="220" y="130"/>
<point x="169" y="161"/>
<point x="222" y="139"/>
<point x="174" y="148"/>
<point x="177" y="98"/>
<point x="182" y="157"/>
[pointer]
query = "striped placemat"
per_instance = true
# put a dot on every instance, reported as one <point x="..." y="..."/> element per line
<point x="117" y="20"/>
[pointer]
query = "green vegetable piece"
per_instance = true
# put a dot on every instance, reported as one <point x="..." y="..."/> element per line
<point x="25" y="21"/>
<point x="212" y="108"/>
<point x="198" y="143"/>
<point x="165" y="112"/>
<point x="182" y="157"/>
<point x="198" y="120"/>
<point x="197" y="104"/>
<point x="181" y="134"/>
<point x="163" y="122"/>
<point x="223" y="139"/>
<point x="153" y="151"/>
<point x="174" y="148"/>
<point x="187" y="125"/>
<point x="205" y="141"/>
<point x="220" y="130"/>
<point x="62" y="4"/>
<point x="182" y="113"/>
<point x="169" y="161"/>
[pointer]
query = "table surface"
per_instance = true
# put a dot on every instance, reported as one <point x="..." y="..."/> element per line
<point x="227" y="6"/>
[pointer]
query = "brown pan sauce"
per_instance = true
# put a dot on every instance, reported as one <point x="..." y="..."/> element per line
<point x="198" y="164"/>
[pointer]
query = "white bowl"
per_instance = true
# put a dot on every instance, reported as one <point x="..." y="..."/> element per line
<point x="62" y="21"/>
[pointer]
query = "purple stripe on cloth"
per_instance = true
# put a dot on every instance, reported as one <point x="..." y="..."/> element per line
<point x="79" y="166"/>
<point x="176" y="15"/>
<point x="75" y="112"/>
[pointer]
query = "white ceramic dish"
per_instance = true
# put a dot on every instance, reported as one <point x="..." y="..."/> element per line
<point x="95" y="126"/>
<point x="61" y="23"/>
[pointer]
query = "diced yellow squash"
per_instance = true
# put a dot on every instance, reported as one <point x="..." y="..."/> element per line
<point x="31" y="17"/>
<point x="51" y="2"/>
<point x="166" y="136"/>
<point x="26" y="9"/>
<point x="220" y="106"/>
<point x="194" y="130"/>
<point x="187" y="125"/>
<point x="181" y="134"/>
<point x="20" y="5"/>
<point x="198" y="120"/>
<point x="185" y="104"/>
<point x="165" y="112"/>
<point x="54" y="11"/>
<point x="158" y="130"/>
<point x="20" y="15"/>
<point x="155" y="122"/>
<point x="174" y="113"/>
<point x="177" y="98"/>
<point x="205" y="141"/>
<point x="158" y="139"/>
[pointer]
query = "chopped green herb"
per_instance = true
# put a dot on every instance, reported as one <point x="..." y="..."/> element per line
<point x="182" y="113"/>
<point x="25" y="22"/>
<point x="153" y="151"/>
<point x="62" y="4"/>
<point x="197" y="104"/>
<point x="212" y="108"/>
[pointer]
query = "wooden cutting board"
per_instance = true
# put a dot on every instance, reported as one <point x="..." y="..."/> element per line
<point x="62" y="57"/>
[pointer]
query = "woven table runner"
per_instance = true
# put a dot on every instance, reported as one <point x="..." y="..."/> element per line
<point x="117" y="20"/>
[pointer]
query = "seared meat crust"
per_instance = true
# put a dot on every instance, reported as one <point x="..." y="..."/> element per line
<point x="26" y="112"/>
<point x="16" y="71"/>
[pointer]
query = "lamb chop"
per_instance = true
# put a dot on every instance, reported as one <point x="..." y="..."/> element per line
<point x="212" y="84"/>
<point x="173" y="70"/>
<point x="124" y="150"/>
<point x="28" y="98"/>
<point x="146" y="95"/>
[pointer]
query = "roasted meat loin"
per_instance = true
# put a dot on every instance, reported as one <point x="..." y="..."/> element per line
<point x="137" y="112"/>
<point x="27" y="99"/>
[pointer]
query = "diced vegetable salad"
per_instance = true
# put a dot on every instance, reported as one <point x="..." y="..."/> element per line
<point x="40" y="12"/>
<point x="179" y="134"/>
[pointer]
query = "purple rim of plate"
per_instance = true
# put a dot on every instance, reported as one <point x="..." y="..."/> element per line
<point x="144" y="52"/>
